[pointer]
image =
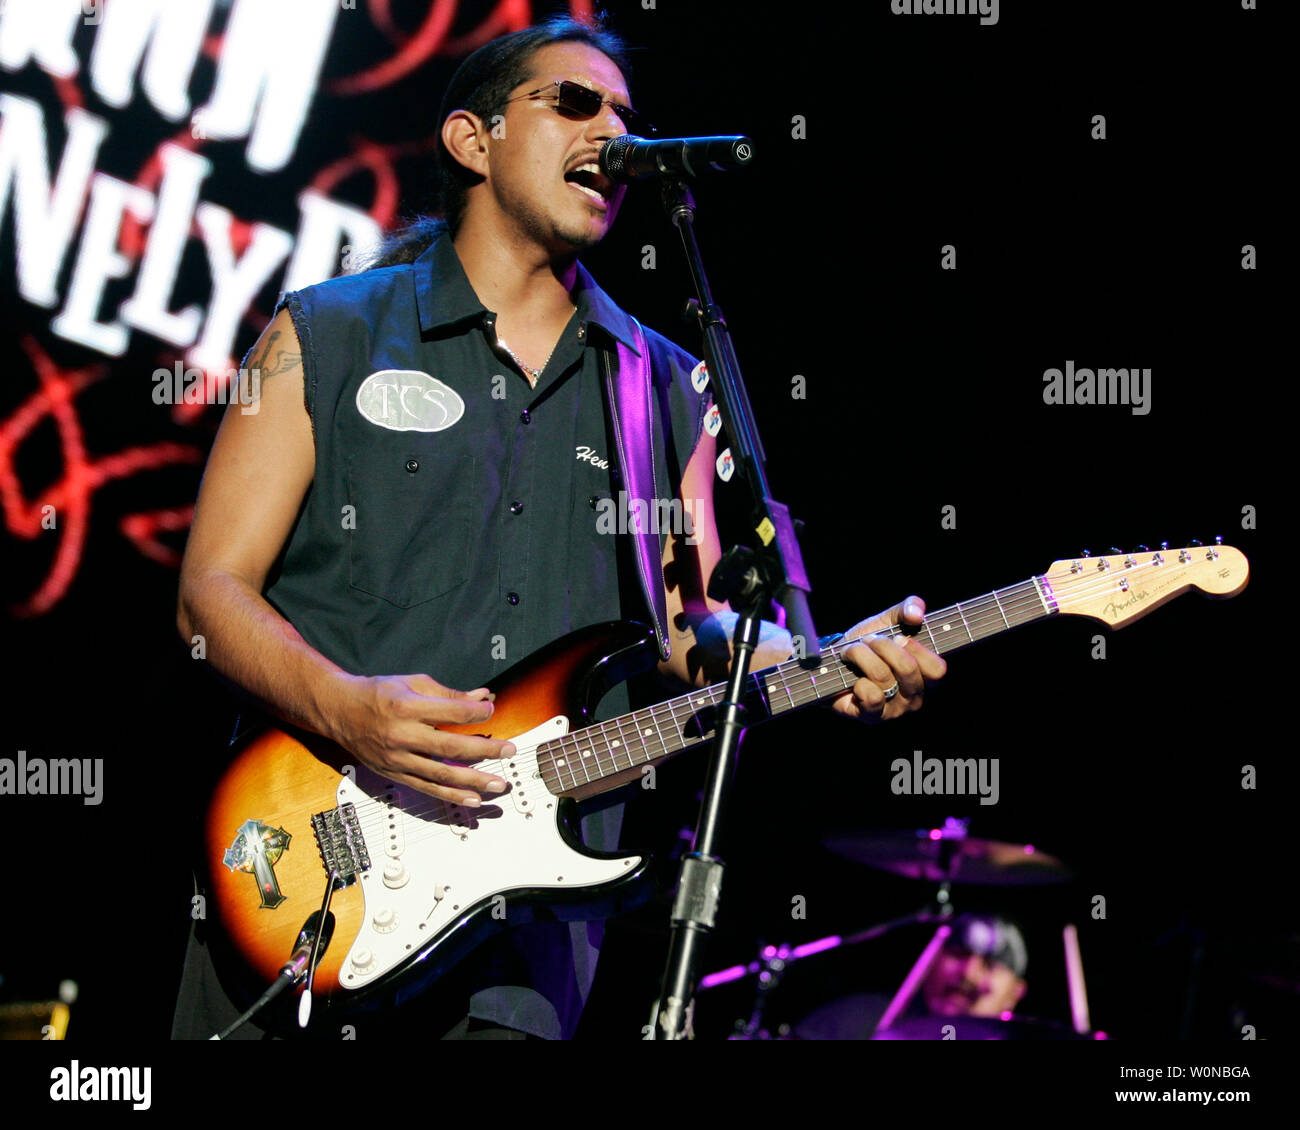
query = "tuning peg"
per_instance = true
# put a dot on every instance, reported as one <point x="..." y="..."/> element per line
<point x="1218" y="540"/>
<point x="1086" y="553"/>
<point x="1164" y="545"/>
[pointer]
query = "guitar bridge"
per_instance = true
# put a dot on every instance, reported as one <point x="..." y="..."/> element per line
<point x="341" y="844"/>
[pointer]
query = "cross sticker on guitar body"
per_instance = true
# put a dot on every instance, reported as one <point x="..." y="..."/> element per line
<point x="255" y="849"/>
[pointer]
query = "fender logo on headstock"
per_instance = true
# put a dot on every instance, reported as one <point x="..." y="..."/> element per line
<point x="1113" y="609"/>
<point x="255" y="850"/>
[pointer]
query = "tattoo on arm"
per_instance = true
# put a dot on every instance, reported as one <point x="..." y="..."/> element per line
<point x="259" y="362"/>
<point x="264" y="365"/>
<point x="283" y="363"/>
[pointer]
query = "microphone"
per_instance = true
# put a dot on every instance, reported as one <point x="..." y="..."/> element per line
<point x="628" y="158"/>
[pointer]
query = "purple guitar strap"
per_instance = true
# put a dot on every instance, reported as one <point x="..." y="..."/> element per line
<point x="628" y="387"/>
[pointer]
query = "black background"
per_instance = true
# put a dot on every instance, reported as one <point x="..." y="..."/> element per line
<point x="924" y="390"/>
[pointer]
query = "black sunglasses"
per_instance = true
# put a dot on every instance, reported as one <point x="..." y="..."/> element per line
<point x="583" y="103"/>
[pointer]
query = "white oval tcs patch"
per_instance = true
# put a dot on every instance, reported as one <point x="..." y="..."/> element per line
<point x="407" y="400"/>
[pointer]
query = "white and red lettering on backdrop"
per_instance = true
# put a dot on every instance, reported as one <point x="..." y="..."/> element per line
<point x="148" y="149"/>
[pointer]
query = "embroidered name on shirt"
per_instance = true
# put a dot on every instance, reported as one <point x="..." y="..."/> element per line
<point x="588" y="455"/>
<point x="407" y="400"/>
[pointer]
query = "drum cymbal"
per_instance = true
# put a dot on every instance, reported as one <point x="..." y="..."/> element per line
<point x="937" y="856"/>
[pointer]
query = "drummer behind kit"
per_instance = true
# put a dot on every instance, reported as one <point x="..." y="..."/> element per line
<point x="977" y="971"/>
<point x="969" y="978"/>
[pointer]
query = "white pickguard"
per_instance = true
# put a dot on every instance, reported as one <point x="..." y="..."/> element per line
<point x="430" y="861"/>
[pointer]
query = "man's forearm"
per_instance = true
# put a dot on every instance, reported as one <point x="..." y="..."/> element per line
<point x="702" y="653"/>
<point x="255" y="647"/>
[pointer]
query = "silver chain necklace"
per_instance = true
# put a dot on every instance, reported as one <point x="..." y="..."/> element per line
<point x="529" y="372"/>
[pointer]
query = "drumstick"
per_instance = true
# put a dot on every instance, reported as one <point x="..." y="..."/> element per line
<point x="913" y="980"/>
<point x="1074" y="976"/>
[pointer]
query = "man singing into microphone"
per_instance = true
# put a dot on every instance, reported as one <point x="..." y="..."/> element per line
<point x="420" y="487"/>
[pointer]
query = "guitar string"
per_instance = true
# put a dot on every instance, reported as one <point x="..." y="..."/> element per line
<point x="657" y="714"/>
<point x="977" y="615"/>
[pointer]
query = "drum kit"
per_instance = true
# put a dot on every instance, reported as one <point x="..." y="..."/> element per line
<point x="947" y="855"/>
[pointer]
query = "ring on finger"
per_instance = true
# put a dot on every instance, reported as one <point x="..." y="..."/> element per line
<point x="890" y="692"/>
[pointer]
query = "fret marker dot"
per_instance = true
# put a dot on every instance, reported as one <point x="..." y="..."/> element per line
<point x="613" y="745"/>
<point x="822" y="671"/>
<point x="647" y="733"/>
<point x="586" y="753"/>
<point x="946" y="627"/>
<point x="560" y="762"/>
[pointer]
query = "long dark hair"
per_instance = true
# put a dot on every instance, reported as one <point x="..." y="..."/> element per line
<point x="481" y="85"/>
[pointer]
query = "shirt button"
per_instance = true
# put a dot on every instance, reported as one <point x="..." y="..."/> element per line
<point x="594" y="501"/>
<point x="512" y="598"/>
<point x="412" y="465"/>
<point x="526" y="416"/>
<point x="582" y="332"/>
<point x="516" y="508"/>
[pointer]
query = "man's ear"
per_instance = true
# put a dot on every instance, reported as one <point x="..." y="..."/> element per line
<point x="466" y="139"/>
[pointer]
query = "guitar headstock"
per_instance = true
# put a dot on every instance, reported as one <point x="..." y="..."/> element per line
<point x="1123" y="587"/>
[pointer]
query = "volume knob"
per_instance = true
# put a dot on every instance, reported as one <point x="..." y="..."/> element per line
<point x="395" y="874"/>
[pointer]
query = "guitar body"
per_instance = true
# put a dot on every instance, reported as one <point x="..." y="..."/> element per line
<point x="426" y="879"/>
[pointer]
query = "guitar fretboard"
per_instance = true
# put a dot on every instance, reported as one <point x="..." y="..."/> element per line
<point x="593" y="755"/>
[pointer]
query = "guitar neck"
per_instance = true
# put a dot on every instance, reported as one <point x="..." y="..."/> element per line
<point x="590" y="759"/>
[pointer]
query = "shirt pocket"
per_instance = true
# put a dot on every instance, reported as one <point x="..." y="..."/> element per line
<point x="409" y="539"/>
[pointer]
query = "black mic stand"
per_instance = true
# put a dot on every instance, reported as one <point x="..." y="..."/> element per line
<point x="749" y="579"/>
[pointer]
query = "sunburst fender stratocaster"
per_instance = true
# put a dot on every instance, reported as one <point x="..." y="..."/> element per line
<point x="422" y="880"/>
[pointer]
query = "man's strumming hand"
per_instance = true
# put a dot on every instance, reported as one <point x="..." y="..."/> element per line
<point x="389" y="722"/>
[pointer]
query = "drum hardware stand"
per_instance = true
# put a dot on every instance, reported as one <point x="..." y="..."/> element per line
<point x="772" y="962"/>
